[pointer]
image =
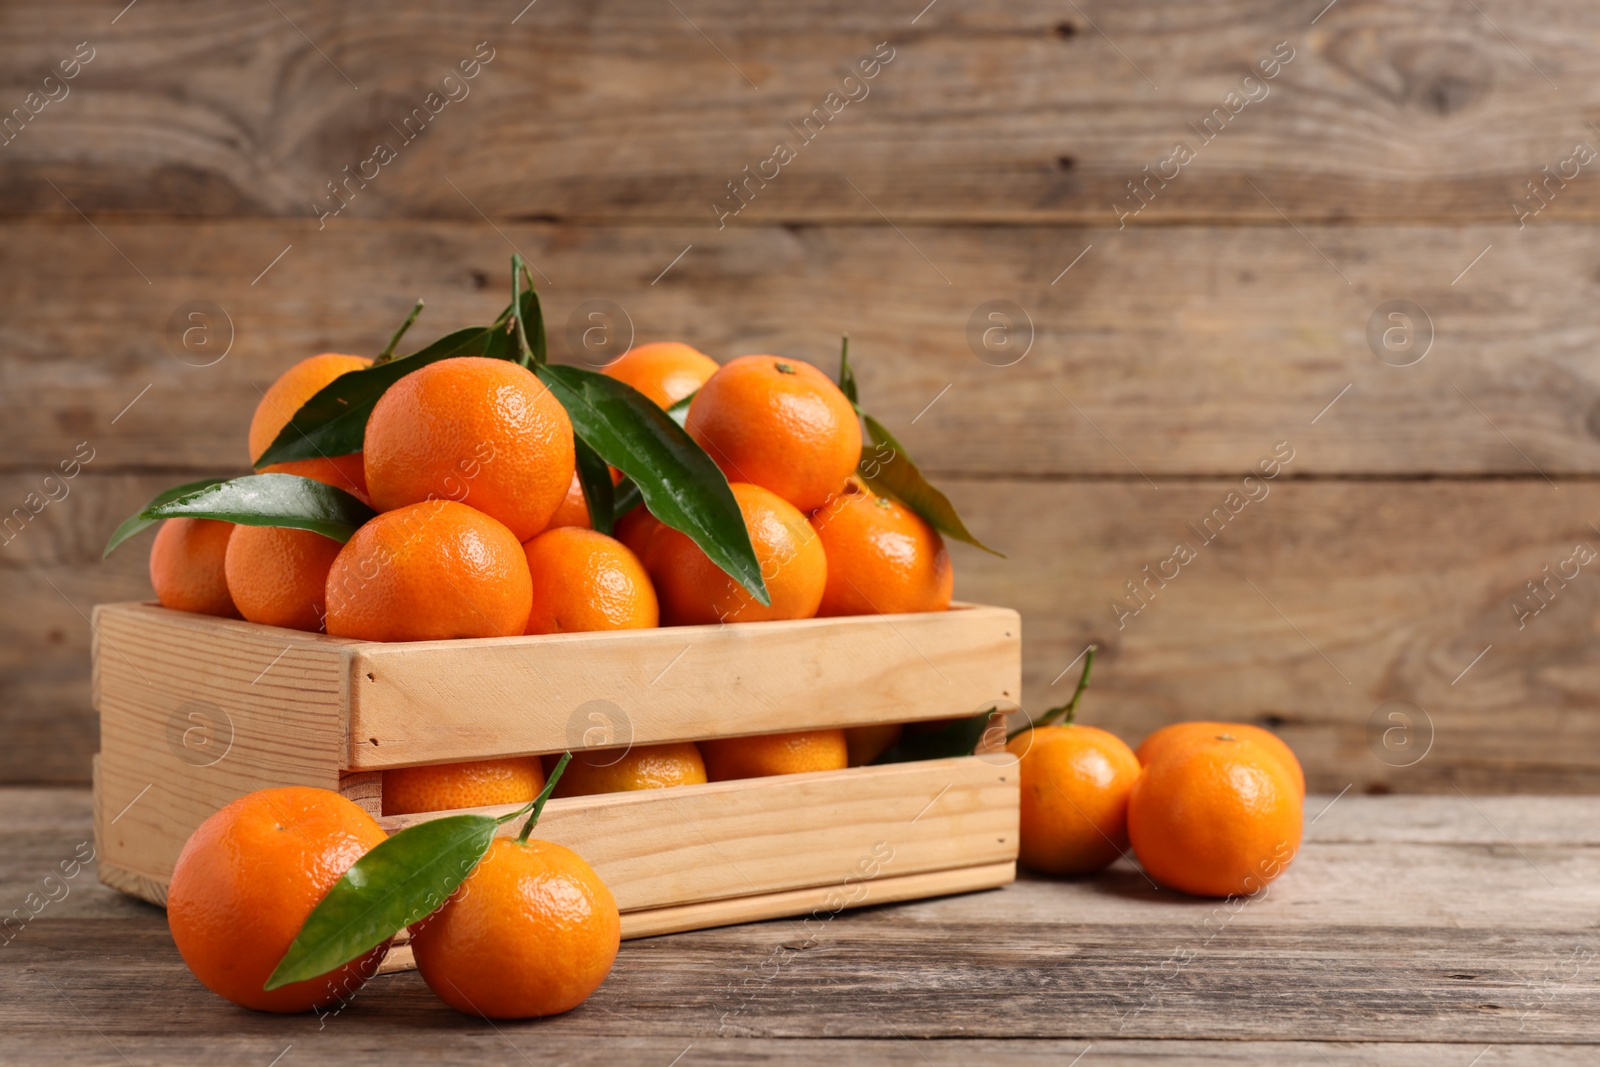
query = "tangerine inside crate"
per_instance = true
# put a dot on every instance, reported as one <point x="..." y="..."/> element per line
<point x="196" y="710"/>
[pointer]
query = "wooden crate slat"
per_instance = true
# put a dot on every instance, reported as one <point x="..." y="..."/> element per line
<point x="821" y="902"/>
<point x="662" y="847"/>
<point x="442" y="701"/>
<point x="195" y="711"/>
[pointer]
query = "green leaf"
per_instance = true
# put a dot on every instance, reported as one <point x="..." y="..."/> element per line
<point x="532" y="347"/>
<point x="680" y="409"/>
<point x="595" y="478"/>
<point x="137" y="523"/>
<point x="334" y="420"/>
<point x="847" y="377"/>
<point x="887" y="468"/>
<point x="677" y="481"/>
<point x="271" y="500"/>
<point x="959" y="738"/>
<point x="401" y="881"/>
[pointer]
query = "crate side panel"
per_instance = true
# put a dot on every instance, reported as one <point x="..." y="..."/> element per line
<point x="436" y="702"/>
<point x="669" y="847"/>
<point x="196" y="711"/>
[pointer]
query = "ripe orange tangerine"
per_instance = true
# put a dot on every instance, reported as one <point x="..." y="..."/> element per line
<point x="664" y="371"/>
<point x="1181" y="733"/>
<point x="429" y="572"/>
<point x="1218" y="816"/>
<point x="693" y="590"/>
<point x="584" y="580"/>
<point x="279" y="403"/>
<point x="279" y="577"/>
<point x="475" y="784"/>
<point x="778" y="423"/>
<point x="882" y="556"/>
<point x="188" y="567"/>
<point x="485" y="432"/>
<point x="245" y="882"/>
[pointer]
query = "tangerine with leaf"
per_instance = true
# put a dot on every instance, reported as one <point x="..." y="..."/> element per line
<point x="1076" y="781"/>
<point x="532" y="931"/>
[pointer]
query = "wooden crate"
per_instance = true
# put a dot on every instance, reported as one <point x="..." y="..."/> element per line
<point x="195" y="711"/>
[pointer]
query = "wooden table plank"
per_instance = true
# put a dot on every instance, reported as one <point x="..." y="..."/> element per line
<point x="1410" y="930"/>
<point x="1022" y="112"/>
<point x="1176" y="352"/>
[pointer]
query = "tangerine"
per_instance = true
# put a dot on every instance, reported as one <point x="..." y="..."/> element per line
<point x="280" y="402"/>
<point x="1075" y="782"/>
<point x="727" y="758"/>
<point x="574" y="508"/>
<point x="279" y="576"/>
<point x="867" y="743"/>
<point x="1217" y="816"/>
<point x="429" y="572"/>
<point x="665" y="371"/>
<point x="1180" y="733"/>
<point x="778" y="423"/>
<point x="531" y="932"/>
<point x="246" y="880"/>
<point x="883" y="557"/>
<point x="583" y="580"/>
<point x="472" y="429"/>
<point x="188" y="567"/>
<point x="695" y="590"/>
<point x="475" y="784"/>
<point x="610" y="770"/>
<point x="637" y="530"/>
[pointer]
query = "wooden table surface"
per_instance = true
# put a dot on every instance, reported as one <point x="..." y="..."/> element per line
<point x="1411" y="930"/>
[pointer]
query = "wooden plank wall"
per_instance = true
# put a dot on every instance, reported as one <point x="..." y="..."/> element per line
<point x="1218" y="314"/>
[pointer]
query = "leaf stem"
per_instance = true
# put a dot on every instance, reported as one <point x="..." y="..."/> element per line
<point x="1070" y="708"/>
<point x="544" y="795"/>
<point x="519" y="270"/>
<point x="388" y="350"/>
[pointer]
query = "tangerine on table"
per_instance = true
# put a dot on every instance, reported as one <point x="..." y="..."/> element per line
<point x="429" y="572"/>
<point x="279" y="576"/>
<point x="728" y="758"/>
<point x="882" y="556"/>
<point x="665" y="371"/>
<point x="188" y="567"/>
<point x="531" y="932"/>
<point x="779" y="423"/>
<point x="482" y="431"/>
<point x="1180" y="733"/>
<point x="246" y="880"/>
<point x="694" y="590"/>
<point x="584" y="580"/>
<point x="279" y="403"/>
<point x="1075" y="783"/>
<point x="474" y="784"/>
<point x="610" y="770"/>
<point x="1217" y="816"/>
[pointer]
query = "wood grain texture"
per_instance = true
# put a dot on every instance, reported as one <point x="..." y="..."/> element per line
<point x="1310" y="611"/>
<point x="1023" y="112"/>
<point x="196" y="711"/>
<point x="1401" y="584"/>
<point x="816" y="904"/>
<point x="664" y="847"/>
<point x="1418" y="930"/>
<point x="444" y="701"/>
<point x="1171" y="353"/>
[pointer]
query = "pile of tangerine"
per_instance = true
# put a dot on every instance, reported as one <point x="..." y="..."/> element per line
<point x="483" y="531"/>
